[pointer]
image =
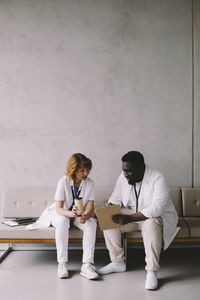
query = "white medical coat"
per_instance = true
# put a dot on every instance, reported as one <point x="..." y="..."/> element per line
<point x="64" y="193"/>
<point x="154" y="201"/>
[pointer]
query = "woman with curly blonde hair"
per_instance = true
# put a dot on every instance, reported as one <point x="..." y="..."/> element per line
<point x="75" y="185"/>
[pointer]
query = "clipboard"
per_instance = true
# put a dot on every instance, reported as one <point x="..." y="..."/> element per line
<point x="104" y="216"/>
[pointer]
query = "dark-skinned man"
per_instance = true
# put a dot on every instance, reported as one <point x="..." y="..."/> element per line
<point x="143" y="194"/>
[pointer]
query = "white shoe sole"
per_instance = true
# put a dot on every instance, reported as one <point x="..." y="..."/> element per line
<point x="105" y="272"/>
<point x="63" y="276"/>
<point x="90" y="277"/>
<point x="151" y="288"/>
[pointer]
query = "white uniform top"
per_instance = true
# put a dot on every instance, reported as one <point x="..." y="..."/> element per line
<point x="154" y="201"/>
<point x="64" y="193"/>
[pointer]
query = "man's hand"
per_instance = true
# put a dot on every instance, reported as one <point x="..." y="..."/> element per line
<point x="122" y="219"/>
<point x="125" y="219"/>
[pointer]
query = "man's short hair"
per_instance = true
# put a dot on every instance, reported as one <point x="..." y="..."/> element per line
<point x="134" y="157"/>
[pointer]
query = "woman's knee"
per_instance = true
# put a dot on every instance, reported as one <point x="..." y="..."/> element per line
<point x="90" y="225"/>
<point x="61" y="222"/>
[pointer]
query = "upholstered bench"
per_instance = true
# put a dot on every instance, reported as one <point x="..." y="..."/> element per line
<point x="30" y="202"/>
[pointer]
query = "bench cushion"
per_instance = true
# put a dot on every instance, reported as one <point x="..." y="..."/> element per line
<point x="191" y="202"/>
<point x="26" y="202"/>
<point x="102" y="195"/>
<point x="20" y="232"/>
<point x="194" y="224"/>
<point x="31" y="202"/>
<point x="175" y="194"/>
<point x="184" y="231"/>
<point x="134" y="234"/>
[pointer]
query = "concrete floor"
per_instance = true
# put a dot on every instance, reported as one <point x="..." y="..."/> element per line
<point x="33" y="275"/>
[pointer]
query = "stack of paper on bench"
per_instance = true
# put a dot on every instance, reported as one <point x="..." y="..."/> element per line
<point x="19" y="221"/>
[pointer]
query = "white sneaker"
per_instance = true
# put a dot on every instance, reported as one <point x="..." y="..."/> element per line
<point x="88" y="271"/>
<point x="113" y="267"/>
<point x="62" y="270"/>
<point x="151" y="281"/>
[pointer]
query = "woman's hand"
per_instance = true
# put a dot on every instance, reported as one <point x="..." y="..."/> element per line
<point x="83" y="218"/>
<point x="72" y="213"/>
<point x="75" y="209"/>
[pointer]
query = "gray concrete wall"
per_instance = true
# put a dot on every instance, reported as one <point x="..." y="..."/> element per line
<point x="196" y="92"/>
<point x="98" y="77"/>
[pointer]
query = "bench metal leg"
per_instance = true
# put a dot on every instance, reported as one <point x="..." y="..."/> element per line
<point x="5" y="253"/>
<point x="124" y="243"/>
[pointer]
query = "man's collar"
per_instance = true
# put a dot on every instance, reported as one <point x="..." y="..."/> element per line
<point x="147" y="174"/>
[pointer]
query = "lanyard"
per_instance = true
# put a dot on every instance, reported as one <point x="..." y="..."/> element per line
<point x="137" y="195"/>
<point x="73" y="194"/>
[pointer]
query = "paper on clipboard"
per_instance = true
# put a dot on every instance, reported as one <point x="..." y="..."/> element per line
<point x="104" y="215"/>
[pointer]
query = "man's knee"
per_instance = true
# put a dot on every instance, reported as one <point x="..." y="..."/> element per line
<point x="152" y="225"/>
<point x="111" y="232"/>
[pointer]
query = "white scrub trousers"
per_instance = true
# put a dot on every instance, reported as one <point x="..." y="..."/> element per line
<point x="62" y="225"/>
